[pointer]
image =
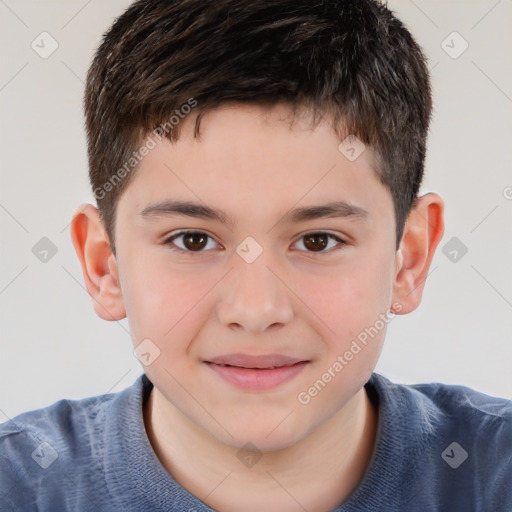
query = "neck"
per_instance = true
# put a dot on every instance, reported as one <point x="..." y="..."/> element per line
<point x="317" y="474"/>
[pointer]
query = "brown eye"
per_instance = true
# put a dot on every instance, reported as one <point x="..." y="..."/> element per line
<point x="191" y="242"/>
<point x="316" y="241"/>
<point x="320" y="242"/>
<point x="195" y="241"/>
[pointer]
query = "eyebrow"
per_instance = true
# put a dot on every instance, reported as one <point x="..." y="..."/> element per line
<point x="171" y="208"/>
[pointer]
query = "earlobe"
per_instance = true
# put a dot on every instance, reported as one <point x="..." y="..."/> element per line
<point x="99" y="266"/>
<point x="423" y="231"/>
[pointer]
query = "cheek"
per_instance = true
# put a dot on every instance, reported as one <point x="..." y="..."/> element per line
<point x="162" y="301"/>
<point x="353" y="307"/>
<point x="348" y="299"/>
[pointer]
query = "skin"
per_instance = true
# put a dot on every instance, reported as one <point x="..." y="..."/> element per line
<point x="254" y="165"/>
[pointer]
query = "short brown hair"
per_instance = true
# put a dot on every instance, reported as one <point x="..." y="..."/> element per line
<point x="352" y="60"/>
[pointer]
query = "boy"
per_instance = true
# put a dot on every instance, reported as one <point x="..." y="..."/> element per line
<point x="257" y="167"/>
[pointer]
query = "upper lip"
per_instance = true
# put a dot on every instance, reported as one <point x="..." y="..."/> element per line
<point x="259" y="362"/>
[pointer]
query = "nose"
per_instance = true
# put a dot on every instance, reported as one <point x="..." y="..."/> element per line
<point x="254" y="299"/>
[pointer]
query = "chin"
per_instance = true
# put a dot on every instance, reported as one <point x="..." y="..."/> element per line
<point x="262" y="436"/>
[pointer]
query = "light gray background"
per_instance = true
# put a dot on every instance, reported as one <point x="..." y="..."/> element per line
<point x="53" y="344"/>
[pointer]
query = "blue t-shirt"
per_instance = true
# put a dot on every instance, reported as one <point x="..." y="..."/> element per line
<point x="439" y="448"/>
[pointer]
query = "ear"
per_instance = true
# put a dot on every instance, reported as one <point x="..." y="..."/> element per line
<point x="422" y="232"/>
<point x="99" y="266"/>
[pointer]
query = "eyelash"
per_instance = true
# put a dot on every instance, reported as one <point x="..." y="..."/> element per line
<point x="170" y="241"/>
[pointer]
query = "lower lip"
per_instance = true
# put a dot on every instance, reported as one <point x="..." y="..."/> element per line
<point x="257" y="379"/>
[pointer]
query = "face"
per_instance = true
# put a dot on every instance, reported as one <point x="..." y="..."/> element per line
<point x="254" y="261"/>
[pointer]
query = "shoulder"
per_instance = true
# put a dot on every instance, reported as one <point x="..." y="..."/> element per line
<point x="463" y="438"/>
<point x="451" y="403"/>
<point x="45" y="452"/>
<point x="41" y="448"/>
<point x="481" y="422"/>
<point x="454" y="410"/>
<point x="64" y="422"/>
<point x="465" y="400"/>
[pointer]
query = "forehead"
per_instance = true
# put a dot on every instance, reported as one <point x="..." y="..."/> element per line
<point x="255" y="160"/>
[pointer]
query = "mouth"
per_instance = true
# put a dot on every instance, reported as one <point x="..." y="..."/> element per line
<point x="256" y="372"/>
